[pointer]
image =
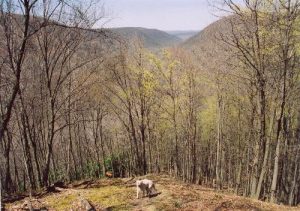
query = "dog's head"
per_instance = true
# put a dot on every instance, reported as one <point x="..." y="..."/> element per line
<point x="138" y="182"/>
<point x="109" y="174"/>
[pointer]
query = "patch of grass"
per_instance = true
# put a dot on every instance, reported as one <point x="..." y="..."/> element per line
<point x="116" y="197"/>
<point x="60" y="202"/>
<point x="218" y="197"/>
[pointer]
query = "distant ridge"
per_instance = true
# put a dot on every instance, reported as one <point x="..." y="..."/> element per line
<point x="183" y="35"/>
<point x="152" y="38"/>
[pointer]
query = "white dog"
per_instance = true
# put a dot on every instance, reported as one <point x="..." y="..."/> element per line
<point x="146" y="186"/>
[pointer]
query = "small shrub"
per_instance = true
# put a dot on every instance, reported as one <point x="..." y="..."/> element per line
<point x="177" y="204"/>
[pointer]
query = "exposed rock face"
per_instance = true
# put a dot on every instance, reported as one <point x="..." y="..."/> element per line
<point x="82" y="205"/>
<point x="33" y="204"/>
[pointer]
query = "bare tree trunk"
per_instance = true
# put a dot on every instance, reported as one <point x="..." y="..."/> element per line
<point x="263" y="139"/>
<point x="102" y="144"/>
<point x="219" y="144"/>
<point x="19" y="62"/>
<point x="8" y="184"/>
<point x="293" y="186"/>
<point x="176" y="151"/>
<point x="286" y="60"/>
<point x="252" y="137"/>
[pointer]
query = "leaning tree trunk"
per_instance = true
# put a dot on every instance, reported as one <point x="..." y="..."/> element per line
<point x="263" y="139"/>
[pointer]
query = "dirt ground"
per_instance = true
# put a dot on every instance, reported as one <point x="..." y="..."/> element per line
<point x="120" y="194"/>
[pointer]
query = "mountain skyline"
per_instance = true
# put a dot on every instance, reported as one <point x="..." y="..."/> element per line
<point x="165" y="15"/>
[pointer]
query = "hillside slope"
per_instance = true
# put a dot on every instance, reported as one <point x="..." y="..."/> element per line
<point x="207" y="37"/>
<point x="212" y="53"/>
<point x="119" y="194"/>
<point x="152" y="38"/>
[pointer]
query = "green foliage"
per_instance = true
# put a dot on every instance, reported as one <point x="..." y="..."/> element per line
<point x="92" y="170"/>
<point x="177" y="204"/>
<point x="108" y="163"/>
<point x="208" y="116"/>
<point x="58" y="175"/>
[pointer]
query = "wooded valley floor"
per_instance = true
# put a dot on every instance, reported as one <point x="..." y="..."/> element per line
<point x="120" y="194"/>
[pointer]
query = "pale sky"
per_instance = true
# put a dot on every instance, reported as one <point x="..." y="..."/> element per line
<point x="160" y="14"/>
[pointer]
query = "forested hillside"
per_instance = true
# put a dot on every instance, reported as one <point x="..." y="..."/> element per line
<point x="219" y="110"/>
<point x="151" y="38"/>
